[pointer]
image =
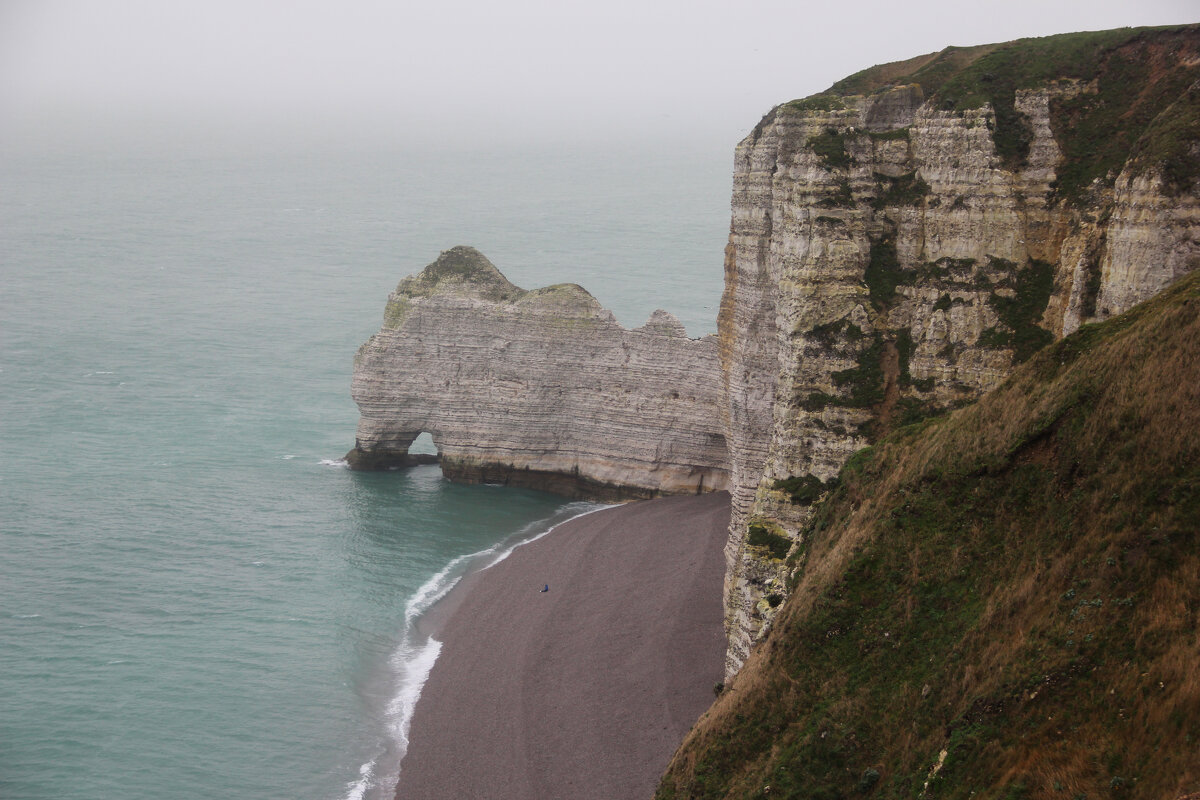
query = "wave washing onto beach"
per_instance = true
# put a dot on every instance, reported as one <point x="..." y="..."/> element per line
<point x="414" y="657"/>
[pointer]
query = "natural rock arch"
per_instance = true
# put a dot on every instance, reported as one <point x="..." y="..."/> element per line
<point x="537" y="388"/>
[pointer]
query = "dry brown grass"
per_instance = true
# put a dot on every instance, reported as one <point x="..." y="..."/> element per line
<point x="1034" y="562"/>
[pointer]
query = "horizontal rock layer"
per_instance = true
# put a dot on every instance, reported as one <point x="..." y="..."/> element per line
<point x="888" y="259"/>
<point x="896" y="246"/>
<point x="538" y="388"/>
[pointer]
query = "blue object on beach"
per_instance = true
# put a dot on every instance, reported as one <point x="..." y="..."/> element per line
<point x="546" y="588"/>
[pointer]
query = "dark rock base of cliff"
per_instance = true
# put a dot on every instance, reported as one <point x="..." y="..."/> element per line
<point x="573" y="486"/>
<point x="375" y="462"/>
<point x="576" y="487"/>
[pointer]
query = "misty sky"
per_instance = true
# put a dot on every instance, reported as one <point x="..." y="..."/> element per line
<point x="465" y="70"/>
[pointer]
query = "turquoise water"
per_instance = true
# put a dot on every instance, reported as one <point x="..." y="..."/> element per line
<point x="196" y="599"/>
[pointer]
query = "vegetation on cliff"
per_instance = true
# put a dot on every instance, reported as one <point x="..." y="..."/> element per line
<point x="998" y="603"/>
<point x="901" y="242"/>
<point x="1132" y="98"/>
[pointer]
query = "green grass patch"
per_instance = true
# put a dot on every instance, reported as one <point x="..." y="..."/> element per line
<point x="804" y="490"/>
<point x="864" y="381"/>
<point x="904" y="190"/>
<point x="775" y="544"/>
<point x="1171" y="144"/>
<point x="817" y="102"/>
<point x="995" y="338"/>
<point x="830" y="334"/>
<point x="815" y="401"/>
<point x="883" y="273"/>
<point x="904" y="348"/>
<point x="1137" y="110"/>
<point x="830" y="147"/>
<point x="841" y="197"/>
<point x="930" y="71"/>
<point x="1022" y="312"/>
<point x="396" y="311"/>
<point x="913" y="410"/>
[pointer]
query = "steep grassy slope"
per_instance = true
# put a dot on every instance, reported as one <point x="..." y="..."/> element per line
<point x="999" y="603"/>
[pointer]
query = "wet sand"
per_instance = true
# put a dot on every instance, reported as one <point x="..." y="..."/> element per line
<point x="584" y="691"/>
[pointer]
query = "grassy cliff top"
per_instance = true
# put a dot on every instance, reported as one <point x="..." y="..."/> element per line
<point x="999" y="603"/>
<point x="1131" y="80"/>
<point x="460" y="268"/>
<point x="464" y="272"/>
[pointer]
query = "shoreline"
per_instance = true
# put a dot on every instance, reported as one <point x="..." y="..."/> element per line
<point x="587" y="688"/>
<point x="417" y="650"/>
<point x="429" y="623"/>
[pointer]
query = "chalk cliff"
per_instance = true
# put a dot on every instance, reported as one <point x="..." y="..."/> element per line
<point x="900" y="242"/>
<point x="537" y="388"/>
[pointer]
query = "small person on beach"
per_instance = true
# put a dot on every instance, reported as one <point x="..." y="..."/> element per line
<point x="546" y="588"/>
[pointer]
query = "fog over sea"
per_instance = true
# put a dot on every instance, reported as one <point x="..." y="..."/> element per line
<point x="197" y="600"/>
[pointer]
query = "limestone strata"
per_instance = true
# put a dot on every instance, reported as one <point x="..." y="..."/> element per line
<point x="1152" y="239"/>
<point x="891" y="256"/>
<point x="884" y="263"/>
<point x="537" y="388"/>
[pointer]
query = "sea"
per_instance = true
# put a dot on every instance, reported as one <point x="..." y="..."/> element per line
<point x="197" y="598"/>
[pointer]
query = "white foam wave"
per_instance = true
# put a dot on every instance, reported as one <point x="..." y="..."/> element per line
<point x="505" y="553"/>
<point x="417" y="666"/>
<point x="411" y="663"/>
<point x="414" y="658"/>
<point x="357" y="790"/>
<point x="434" y="589"/>
<point x="335" y="462"/>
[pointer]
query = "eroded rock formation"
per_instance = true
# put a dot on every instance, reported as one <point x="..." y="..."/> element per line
<point x="537" y="388"/>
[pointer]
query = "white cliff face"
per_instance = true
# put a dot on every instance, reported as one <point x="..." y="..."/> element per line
<point x="884" y="263"/>
<point x="538" y="388"/>
<point x="1152" y="239"/>
<point x="888" y="259"/>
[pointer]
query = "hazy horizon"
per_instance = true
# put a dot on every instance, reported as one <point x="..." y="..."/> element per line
<point x="466" y="73"/>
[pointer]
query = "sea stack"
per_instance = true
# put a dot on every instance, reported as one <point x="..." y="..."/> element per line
<point x="541" y="388"/>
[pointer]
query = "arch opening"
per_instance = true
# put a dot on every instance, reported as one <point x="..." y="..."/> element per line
<point x="424" y="445"/>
